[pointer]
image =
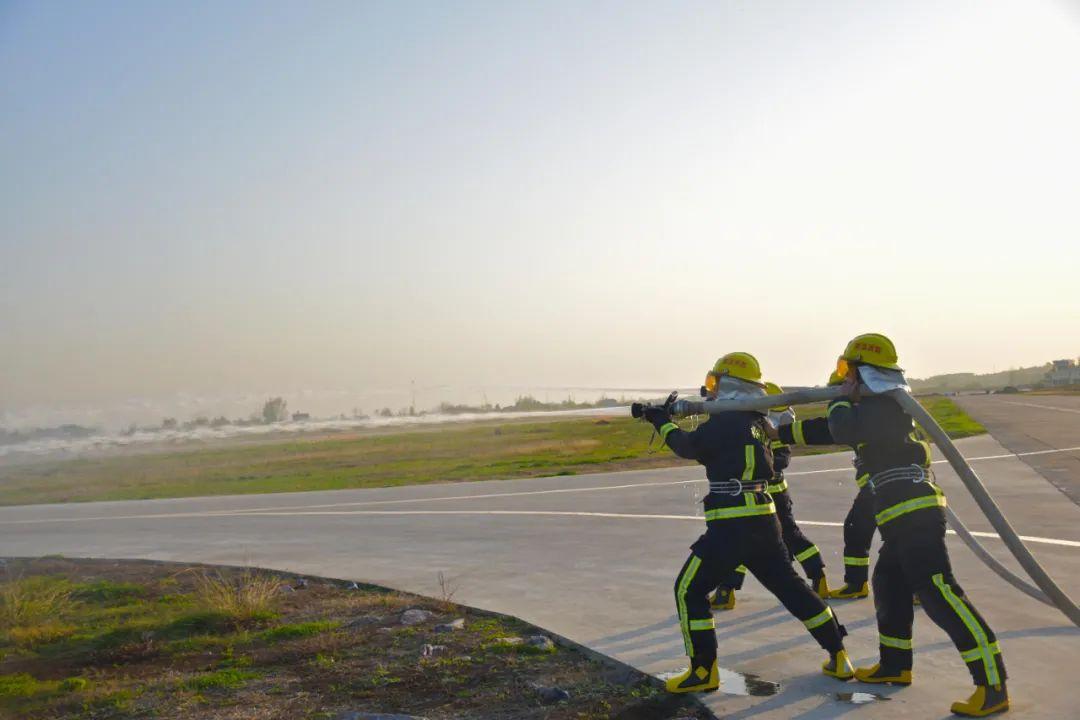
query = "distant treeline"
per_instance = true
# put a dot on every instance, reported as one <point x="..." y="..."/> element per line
<point x="527" y="403"/>
<point x="960" y="382"/>
<point x="63" y="432"/>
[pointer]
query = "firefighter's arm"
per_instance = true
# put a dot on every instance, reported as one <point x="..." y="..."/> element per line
<point x="814" y="431"/>
<point x="843" y="419"/>
<point x="681" y="442"/>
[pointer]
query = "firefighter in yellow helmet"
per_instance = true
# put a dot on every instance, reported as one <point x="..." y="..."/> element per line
<point x="740" y="526"/>
<point x="910" y="514"/>
<point x="798" y="545"/>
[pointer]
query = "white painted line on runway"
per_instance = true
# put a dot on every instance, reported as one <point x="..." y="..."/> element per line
<point x="265" y="510"/>
<point x="365" y="503"/>
<point x="581" y="513"/>
<point x="1041" y="407"/>
<point x="214" y="514"/>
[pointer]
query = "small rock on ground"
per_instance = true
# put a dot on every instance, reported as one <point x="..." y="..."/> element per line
<point x="508" y="641"/>
<point x="432" y="650"/>
<point x="415" y="616"/>
<point x="550" y="695"/>
<point x="458" y="624"/>
<point x="541" y="642"/>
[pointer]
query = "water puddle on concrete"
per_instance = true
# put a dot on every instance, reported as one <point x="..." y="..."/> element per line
<point x="860" y="698"/>
<point x="733" y="682"/>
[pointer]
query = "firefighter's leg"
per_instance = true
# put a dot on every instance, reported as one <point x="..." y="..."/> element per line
<point x="927" y="563"/>
<point x="712" y="556"/>
<point x="799" y="545"/>
<point x="895" y="615"/>
<point x="768" y="559"/>
<point x="859" y="529"/>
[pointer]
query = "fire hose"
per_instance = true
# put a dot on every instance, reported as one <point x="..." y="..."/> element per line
<point x="1045" y="589"/>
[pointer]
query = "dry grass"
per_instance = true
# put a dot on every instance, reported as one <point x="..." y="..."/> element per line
<point x="27" y="602"/>
<point x="248" y="597"/>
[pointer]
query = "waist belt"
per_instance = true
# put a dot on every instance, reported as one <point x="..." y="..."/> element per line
<point x="777" y="487"/>
<point x="914" y="474"/>
<point x="750" y="508"/>
<point x="736" y="487"/>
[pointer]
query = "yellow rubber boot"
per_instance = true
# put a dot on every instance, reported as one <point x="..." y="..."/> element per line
<point x="724" y="599"/>
<point x="838" y="666"/>
<point x="697" y="678"/>
<point x="821" y="587"/>
<point x="878" y="674"/>
<point x="986" y="700"/>
<point x="850" y="592"/>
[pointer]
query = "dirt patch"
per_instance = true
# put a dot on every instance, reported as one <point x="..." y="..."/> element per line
<point x="134" y="639"/>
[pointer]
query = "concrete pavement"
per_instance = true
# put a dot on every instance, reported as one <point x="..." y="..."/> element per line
<point x="1033" y="425"/>
<point x="593" y="558"/>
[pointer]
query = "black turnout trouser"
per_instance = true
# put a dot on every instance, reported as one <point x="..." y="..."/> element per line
<point x="799" y="546"/>
<point x="756" y="543"/>
<point x="859" y="527"/>
<point x="914" y="560"/>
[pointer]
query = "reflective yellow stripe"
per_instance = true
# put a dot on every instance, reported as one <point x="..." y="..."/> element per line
<point x="861" y="480"/>
<point x="807" y="553"/>
<point x="740" y="511"/>
<point x="684" y="584"/>
<point x="777" y="444"/>
<point x="749" y="465"/>
<point x="860" y="561"/>
<point x="898" y="643"/>
<point x="819" y="619"/>
<point x="777" y="487"/>
<point x="983" y="650"/>
<point x="796" y="432"/>
<point x="708" y="624"/>
<point x="842" y="403"/>
<point x="666" y="429"/>
<point x="976" y="654"/>
<point x="741" y="569"/>
<point x="920" y="503"/>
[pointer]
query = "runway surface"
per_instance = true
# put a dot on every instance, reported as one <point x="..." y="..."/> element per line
<point x="594" y="557"/>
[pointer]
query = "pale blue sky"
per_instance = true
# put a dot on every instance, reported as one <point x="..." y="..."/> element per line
<point x="269" y="197"/>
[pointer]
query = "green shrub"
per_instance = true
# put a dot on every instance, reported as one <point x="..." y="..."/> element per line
<point x="225" y="679"/>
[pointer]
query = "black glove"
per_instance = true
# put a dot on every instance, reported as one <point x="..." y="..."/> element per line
<point x="656" y="415"/>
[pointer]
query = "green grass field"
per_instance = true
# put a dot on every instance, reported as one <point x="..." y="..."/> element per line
<point x="451" y="453"/>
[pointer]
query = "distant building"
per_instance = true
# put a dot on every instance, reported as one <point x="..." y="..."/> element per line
<point x="1063" y="372"/>
<point x="300" y="417"/>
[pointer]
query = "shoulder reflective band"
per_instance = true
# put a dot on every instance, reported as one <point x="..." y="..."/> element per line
<point x="666" y="429"/>
<point x="749" y="464"/>
<point x="684" y="585"/>
<point x="819" y="619"/>
<point x="709" y="624"/>
<point x="807" y="553"/>
<point x="740" y="511"/>
<point x="777" y="487"/>
<point x="859" y="561"/>
<point x="796" y="432"/>
<point x="920" y="503"/>
<point x="983" y="650"/>
<point x="842" y="403"/>
<point x="898" y="643"/>
<point x="861" y="480"/>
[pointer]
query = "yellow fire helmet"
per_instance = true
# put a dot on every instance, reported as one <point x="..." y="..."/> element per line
<point x="772" y="388"/>
<point x="839" y="374"/>
<point x="743" y="366"/>
<point x="871" y="349"/>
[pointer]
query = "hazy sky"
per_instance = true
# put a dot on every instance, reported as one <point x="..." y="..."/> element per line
<point x="257" y="197"/>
